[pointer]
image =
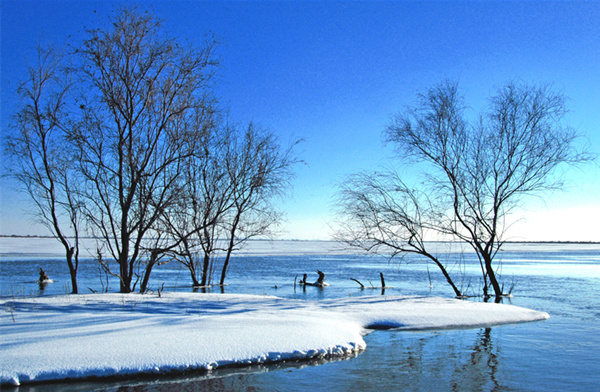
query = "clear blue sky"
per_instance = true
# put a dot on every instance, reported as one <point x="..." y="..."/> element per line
<point x="333" y="72"/>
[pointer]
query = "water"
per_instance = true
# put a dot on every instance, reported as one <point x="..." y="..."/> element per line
<point x="560" y="354"/>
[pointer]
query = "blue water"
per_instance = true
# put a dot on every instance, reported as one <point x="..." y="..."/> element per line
<point x="560" y="354"/>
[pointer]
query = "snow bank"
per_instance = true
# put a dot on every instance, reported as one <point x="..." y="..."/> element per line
<point x="78" y="336"/>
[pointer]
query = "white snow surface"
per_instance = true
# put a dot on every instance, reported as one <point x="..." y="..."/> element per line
<point x="79" y="336"/>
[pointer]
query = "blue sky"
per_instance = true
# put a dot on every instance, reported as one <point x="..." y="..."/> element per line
<point x="334" y="73"/>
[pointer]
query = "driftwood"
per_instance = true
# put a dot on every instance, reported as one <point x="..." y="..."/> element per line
<point x="43" y="277"/>
<point x="362" y="286"/>
<point x="43" y="280"/>
<point x="319" y="283"/>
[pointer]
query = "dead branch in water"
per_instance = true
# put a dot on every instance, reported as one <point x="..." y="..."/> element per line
<point x="383" y="286"/>
<point x="362" y="286"/>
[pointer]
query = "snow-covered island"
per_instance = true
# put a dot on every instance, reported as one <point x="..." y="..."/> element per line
<point x="105" y="335"/>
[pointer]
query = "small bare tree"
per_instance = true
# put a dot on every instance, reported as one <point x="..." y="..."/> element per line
<point x="259" y="170"/>
<point x="477" y="174"/>
<point x="175" y="235"/>
<point x="192" y="223"/>
<point x="226" y="197"/>
<point x="42" y="158"/>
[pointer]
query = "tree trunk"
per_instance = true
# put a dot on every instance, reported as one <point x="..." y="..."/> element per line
<point x="192" y="269"/>
<point x="72" y="270"/>
<point x="146" y="278"/>
<point x="229" y="248"/>
<point x="205" y="269"/>
<point x="147" y="271"/>
<point x="492" y="275"/>
<point x="125" y="276"/>
<point x="225" y="265"/>
<point x="446" y="275"/>
<point x="126" y="273"/>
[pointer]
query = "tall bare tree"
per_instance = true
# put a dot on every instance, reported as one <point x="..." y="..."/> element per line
<point x="43" y="161"/>
<point x="140" y="92"/>
<point x="478" y="173"/>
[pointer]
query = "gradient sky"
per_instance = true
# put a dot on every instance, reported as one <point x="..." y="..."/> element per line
<point x="334" y="72"/>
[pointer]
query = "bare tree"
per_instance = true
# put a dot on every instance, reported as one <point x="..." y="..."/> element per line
<point x="141" y="91"/>
<point x="42" y="158"/>
<point x="176" y="233"/>
<point x="477" y="174"/>
<point x="381" y="214"/>
<point x="259" y="170"/>
<point x="192" y="223"/>
<point x="226" y="197"/>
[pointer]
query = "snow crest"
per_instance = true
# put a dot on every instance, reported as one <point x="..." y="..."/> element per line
<point x="103" y="335"/>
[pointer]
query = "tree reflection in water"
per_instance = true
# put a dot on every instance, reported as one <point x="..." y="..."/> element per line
<point x="451" y="360"/>
<point x="481" y="370"/>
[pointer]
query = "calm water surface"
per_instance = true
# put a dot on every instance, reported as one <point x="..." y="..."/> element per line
<point x="560" y="354"/>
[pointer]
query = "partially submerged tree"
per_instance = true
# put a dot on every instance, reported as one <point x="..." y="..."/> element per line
<point x="43" y="161"/>
<point x="477" y="173"/>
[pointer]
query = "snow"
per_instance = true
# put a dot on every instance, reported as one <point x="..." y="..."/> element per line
<point x="79" y="336"/>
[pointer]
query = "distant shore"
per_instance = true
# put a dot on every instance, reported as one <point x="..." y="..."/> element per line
<point x="323" y="240"/>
